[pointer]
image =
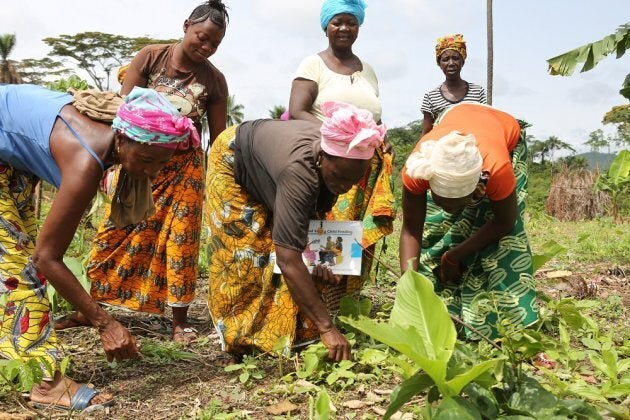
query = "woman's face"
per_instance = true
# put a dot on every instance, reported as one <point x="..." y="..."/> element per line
<point x="142" y="160"/>
<point x="451" y="63"/>
<point x="201" y="40"/>
<point x="452" y="205"/>
<point x="342" y="30"/>
<point x="340" y="174"/>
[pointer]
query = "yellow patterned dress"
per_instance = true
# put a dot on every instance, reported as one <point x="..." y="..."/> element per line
<point x="26" y="331"/>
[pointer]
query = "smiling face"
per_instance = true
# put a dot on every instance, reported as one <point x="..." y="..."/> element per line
<point x="342" y="30"/>
<point x="451" y="63"/>
<point x="201" y="40"/>
<point x="141" y="160"/>
<point x="340" y="174"/>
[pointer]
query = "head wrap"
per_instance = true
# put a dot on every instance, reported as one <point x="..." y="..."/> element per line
<point x="331" y="8"/>
<point x="452" y="164"/>
<point x="147" y="117"/>
<point x="450" y="42"/>
<point x="349" y="132"/>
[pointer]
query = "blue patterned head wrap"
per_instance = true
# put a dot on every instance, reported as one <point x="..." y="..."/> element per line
<point x="331" y="8"/>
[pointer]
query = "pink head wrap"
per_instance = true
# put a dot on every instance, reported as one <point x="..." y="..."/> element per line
<point x="350" y="132"/>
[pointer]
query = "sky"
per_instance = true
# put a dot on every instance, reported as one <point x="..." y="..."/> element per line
<point x="266" y="40"/>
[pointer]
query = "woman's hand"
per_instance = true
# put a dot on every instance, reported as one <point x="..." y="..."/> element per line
<point x="451" y="269"/>
<point x="337" y="345"/>
<point x="118" y="342"/>
<point x="324" y="275"/>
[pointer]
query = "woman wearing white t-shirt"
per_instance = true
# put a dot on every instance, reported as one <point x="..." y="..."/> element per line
<point x="336" y="73"/>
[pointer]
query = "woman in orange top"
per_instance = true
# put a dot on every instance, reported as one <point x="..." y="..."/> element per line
<point x="473" y="239"/>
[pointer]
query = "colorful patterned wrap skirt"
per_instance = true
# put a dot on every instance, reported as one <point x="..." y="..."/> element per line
<point x="26" y="331"/>
<point x="498" y="277"/>
<point x="155" y="263"/>
<point x="250" y="306"/>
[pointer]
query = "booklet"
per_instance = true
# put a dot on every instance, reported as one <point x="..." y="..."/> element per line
<point x="334" y="244"/>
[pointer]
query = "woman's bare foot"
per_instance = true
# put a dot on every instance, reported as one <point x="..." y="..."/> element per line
<point x="72" y="320"/>
<point x="226" y="359"/>
<point x="184" y="333"/>
<point x="59" y="393"/>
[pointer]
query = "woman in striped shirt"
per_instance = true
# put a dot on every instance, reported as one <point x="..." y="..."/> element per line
<point x="450" y="53"/>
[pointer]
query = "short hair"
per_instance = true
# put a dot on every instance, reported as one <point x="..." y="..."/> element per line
<point x="214" y="10"/>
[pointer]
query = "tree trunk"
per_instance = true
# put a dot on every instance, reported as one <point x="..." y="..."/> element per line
<point x="490" y="63"/>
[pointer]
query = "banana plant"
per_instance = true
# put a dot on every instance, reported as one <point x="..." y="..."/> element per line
<point x="420" y="327"/>
<point x="616" y="182"/>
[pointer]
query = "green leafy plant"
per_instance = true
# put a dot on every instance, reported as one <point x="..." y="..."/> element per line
<point x="248" y="369"/>
<point x="616" y="182"/>
<point x="420" y="327"/>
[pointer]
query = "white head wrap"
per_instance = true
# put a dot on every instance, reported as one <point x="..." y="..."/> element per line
<point x="452" y="164"/>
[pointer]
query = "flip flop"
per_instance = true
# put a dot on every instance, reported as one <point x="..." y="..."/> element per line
<point x="80" y="401"/>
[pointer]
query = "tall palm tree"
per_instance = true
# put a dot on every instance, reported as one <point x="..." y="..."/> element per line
<point x="234" y="111"/>
<point x="553" y="143"/>
<point x="490" y="62"/>
<point x="8" y="73"/>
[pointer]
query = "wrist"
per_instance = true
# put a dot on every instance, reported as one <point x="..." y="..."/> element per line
<point x="450" y="259"/>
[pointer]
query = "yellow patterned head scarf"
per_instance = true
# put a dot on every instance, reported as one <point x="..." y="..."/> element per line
<point x="450" y="42"/>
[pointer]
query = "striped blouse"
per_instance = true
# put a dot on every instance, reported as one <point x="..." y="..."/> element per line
<point x="434" y="102"/>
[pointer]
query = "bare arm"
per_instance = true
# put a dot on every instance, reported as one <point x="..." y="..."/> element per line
<point x="505" y="213"/>
<point x="217" y="118"/>
<point x="303" y="95"/>
<point x="80" y="178"/>
<point x="427" y="123"/>
<point x="133" y="78"/>
<point x="307" y="298"/>
<point x="414" y="214"/>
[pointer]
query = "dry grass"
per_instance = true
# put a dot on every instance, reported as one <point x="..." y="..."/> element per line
<point x="573" y="196"/>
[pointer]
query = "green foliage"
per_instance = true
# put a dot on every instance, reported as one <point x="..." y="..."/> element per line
<point x="277" y="111"/>
<point x="234" y="111"/>
<point x="8" y="71"/>
<point x="616" y="182"/>
<point x="163" y="353"/>
<point x="38" y="71"/>
<point x="547" y="251"/>
<point x="403" y="140"/>
<point x="98" y="53"/>
<point x="591" y="54"/>
<point x="248" y="369"/>
<point x="72" y="82"/>
<point x="420" y="327"/>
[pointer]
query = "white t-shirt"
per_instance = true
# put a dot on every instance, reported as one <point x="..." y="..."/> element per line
<point x="359" y="89"/>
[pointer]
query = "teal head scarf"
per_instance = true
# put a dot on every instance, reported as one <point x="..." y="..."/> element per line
<point x="331" y="8"/>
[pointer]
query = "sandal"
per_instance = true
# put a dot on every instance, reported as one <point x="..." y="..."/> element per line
<point x="186" y="335"/>
<point x="80" y="401"/>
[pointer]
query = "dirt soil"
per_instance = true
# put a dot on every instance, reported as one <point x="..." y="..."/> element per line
<point x="161" y="388"/>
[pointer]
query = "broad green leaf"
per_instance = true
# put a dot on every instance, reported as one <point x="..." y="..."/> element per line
<point x="591" y="54"/>
<point x="282" y="346"/>
<point x="583" y="390"/>
<point x="531" y="398"/>
<point x="618" y="391"/>
<point x="404" y="339"/>
<point x="405" y="391"/>
<point x="457" y="383"/>
<point x="548" y="250"/>
<point x="456" y="408"/>
<point x="620" y="167"/>
<point x="483" y="399"/>
<point x="417" y="305"/>
<point x="322" y="406"/>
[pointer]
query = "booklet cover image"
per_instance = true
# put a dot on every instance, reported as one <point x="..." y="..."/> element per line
<point x="333" y="244"/>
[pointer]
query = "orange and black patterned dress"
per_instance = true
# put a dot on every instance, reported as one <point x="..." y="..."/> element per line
<point x="154" y="264"/>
